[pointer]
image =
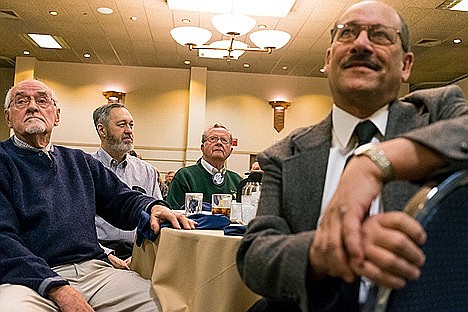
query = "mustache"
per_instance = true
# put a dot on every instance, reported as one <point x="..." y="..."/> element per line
<point x="30" y="116"/>
<point x="362" y="60"/>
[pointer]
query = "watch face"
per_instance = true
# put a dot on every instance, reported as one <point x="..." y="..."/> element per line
<point x="218" y="179"/>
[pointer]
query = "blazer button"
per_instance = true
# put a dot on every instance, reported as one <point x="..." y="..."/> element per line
<point x="463" y="146"/>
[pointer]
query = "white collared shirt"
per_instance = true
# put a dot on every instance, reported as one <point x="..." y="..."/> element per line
<point x="208" y="167"/>
<point x="20" y="143"/>
<point x="343" y="145"/>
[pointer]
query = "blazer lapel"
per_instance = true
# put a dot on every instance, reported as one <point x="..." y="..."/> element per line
<point x="304" y="175"/>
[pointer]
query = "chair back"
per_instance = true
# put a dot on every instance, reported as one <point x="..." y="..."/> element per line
<point x="443" y="285"/>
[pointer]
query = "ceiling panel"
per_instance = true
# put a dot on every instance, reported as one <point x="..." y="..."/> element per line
<point x="115" y="39"/>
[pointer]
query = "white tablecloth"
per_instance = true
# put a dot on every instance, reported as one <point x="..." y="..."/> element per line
<point x="194" y="271"/>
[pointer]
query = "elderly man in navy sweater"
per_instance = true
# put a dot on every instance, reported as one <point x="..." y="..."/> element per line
<point x="50" y="259"/>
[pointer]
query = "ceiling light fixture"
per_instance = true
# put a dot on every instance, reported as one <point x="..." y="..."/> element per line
<point x="454" y="5"/>
<point x="87" y="55"/>
<point x="114" y="97"/>
<point x="232" y="26"/>
<point x="45" y="41"/>
<point x="104" y="10"/>
<point x="457" y="40"/>
<point x="26" y="52"/>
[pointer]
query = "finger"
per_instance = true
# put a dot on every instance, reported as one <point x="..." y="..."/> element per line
<point x="406" y="224"/>
<point x="372" y="272"/>
<point x="173" y="218"/>
<point x="352" y="241"/>
<point x="397" y="235"/>
<point x="187" y="223"/>
<point x="330" y="250"/>
<point x="391" y="264"/>
<point x="154" y="223"/>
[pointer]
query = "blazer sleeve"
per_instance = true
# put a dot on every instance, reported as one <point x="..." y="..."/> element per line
<point x="447" y="132"/>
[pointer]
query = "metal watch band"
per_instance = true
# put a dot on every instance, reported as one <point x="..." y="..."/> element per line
<point x="372" y="151"/>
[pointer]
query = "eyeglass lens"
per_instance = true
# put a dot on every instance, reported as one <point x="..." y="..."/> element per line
<point x="378" y="34"/>
<point x="214" y="139"/>
<point x="41" y="100"/>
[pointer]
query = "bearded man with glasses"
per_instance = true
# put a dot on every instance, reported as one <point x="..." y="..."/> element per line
<point x="320" y="227"/>
<point x="209" y="175"/>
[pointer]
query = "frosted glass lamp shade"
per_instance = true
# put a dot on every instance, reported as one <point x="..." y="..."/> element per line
<point x="270" y="38"/>
<point x="191" y="35"/>
<point x="229" y="24"/>
<point x="224" y="44"/>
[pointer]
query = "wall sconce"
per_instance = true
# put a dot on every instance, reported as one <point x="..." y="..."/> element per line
<point x="278" y="113"/>
<point x="114" y="97"/>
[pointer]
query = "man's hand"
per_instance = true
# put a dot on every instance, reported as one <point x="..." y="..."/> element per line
<point x="338" y="237"/>
<point x="119" y="263"/>
<point x="160" y="213"/>
<point x="69" y="299"/>
<point x="390" y="243"/>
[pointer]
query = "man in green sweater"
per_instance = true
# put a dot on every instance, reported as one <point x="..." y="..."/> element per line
<point x="209" y="175"/>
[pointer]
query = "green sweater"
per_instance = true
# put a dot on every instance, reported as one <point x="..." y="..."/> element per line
<point x="195" y="179"/>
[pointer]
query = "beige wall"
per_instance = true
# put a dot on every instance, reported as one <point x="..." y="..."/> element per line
<point x="6" y="81"/>
<point x="464" y="85"/>
<point x="171" y="107"/>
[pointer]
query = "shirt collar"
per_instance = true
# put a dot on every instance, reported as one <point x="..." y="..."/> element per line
<point x="208" y="167"/>
<point x="21" y="144"/>
<point x="107" y="159"/>
<point x="344" y="123"/>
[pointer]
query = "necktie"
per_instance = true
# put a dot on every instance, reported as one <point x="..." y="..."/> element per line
<point x="365" y="131"/>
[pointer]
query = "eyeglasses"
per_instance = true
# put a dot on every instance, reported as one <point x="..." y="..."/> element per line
<point x="378" y="34"/>
<point x="43" y="101"/>
<point x="215" y="139"/>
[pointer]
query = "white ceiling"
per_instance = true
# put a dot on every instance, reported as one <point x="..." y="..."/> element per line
<point x="116" y="40"/>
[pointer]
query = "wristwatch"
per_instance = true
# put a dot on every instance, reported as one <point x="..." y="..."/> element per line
<point x="372" y="151"/>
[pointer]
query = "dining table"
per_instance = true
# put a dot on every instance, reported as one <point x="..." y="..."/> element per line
<point x="194" y="271"/>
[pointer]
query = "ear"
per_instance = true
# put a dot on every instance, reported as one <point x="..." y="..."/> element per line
<point x="101" y="130"/>
<point x="7" y="118"/>
<point x="57" y="117"/>
<point x="407" y="65"/>
<point x="230" y="152"/>
<point x="327" y="59"/>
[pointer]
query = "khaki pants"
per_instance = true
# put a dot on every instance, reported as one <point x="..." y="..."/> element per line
<point x="105" y="288"/>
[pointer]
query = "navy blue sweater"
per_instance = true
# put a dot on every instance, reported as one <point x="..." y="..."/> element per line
<point x="47" y="209"/>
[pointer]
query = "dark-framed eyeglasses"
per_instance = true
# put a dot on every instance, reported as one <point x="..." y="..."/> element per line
<point x="215" y="139"/>
<point x="378" y="34"/>
<point x="22" y="101"/>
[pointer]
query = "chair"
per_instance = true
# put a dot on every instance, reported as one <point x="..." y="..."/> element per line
<point x="443" y="286"/>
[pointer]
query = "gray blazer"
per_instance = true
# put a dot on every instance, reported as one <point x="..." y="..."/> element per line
<point x="273" y="256"/>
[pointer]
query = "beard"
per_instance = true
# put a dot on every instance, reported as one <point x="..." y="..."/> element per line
<point x="117" y="145"/>
<point x="35" y="128"/>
